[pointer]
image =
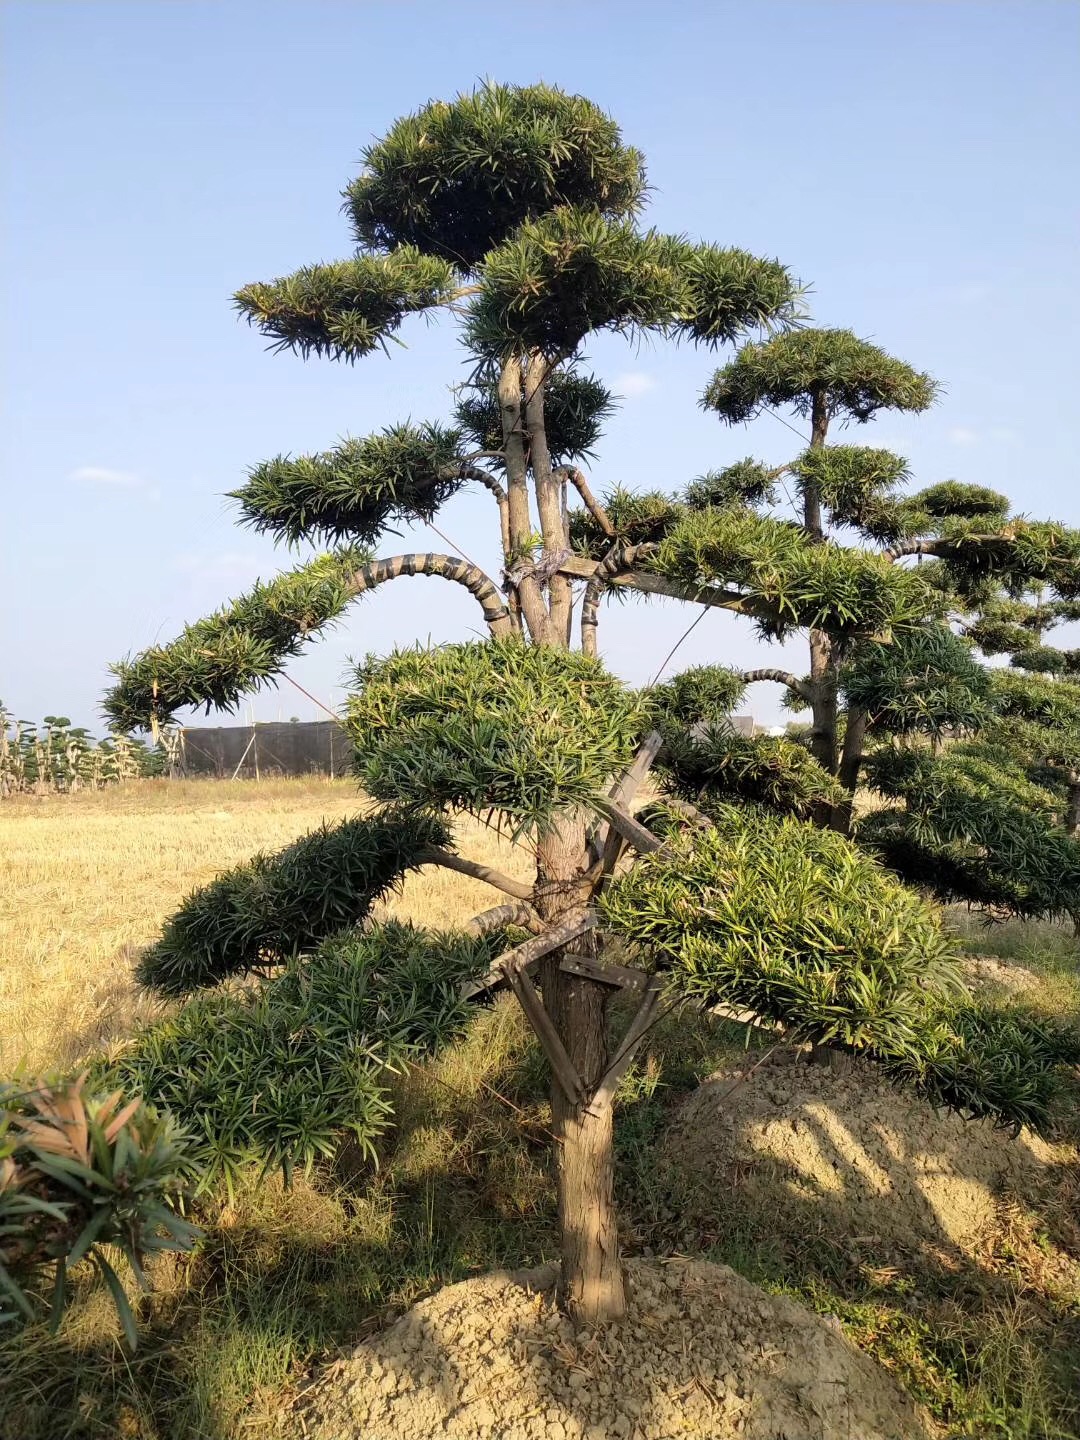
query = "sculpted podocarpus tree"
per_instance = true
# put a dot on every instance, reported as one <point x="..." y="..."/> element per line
<point x="513" y="210"/>
<point x="882" y="660"/>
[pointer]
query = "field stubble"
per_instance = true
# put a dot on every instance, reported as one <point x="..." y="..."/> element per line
<point x="86" y="880"/>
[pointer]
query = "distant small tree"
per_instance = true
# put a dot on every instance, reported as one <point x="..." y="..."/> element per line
<point x="515" y="211"/>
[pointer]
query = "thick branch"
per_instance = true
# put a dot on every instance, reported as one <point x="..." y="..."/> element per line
<point x="643" y="1018"/>
<point x="548" y="496"/>
<point x="940" y="546"/>
<point x="527" y="588"/>
<point x="447" y="567"/>
<point x="781" y="677"/>
<point x="433" y="855"/>
<point x="474" y="472"/>
<point x="595" y="509"/>
<point x="618" y="568"/>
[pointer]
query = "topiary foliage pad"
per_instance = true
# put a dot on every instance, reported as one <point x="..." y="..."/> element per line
<point x="792" y="922"/>
<point x="276" y="906"/>
<point x="492" y="725"/>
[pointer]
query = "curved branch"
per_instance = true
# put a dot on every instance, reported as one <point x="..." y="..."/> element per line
<point x="447" y="567"/>
<point x="474" y="472"/>
<point x="617" y="561"/>
<point x="515" y="912"/>
<point x="914" y="547"/>
<point x="595" y="509"/>
<point x="433" y="855"/>
<point x="618" y="568"/>
<point x="781" y="677"/>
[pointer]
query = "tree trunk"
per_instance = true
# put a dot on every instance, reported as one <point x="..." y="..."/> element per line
<point x="819" y="428"/>
<point x="591" y="1288"/>
<point x="824" y="680"/>
<point x="1072" y="813"/>
<point x="851" y="759"/>
<point x="823" y="670"/>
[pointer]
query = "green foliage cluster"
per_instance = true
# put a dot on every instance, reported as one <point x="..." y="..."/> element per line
<point x="348" y="308"/>
<point x="747" y="482"/>
<point x="845" y="477"/>
<point x="572" y="272"/>
<point x="714" y="766"/>
<point x="791" y="582"/>
<point x="639" y="518"/>
<point x="575" y="407"/>
<point x="402" y="473"/>
<point x="455" y="179"/>
<point x="953" y="498"/>
<point x="242" y="647"/>
<point x="789" y="921"/>
<point x="797" y="925"/>
<point x="1008" y="1064"/>
<point x="1003" y="627"/>
<point x="974" y="827"/>
<point x="1046" y="660"/>
<point x="491" y="726"/>
<point x="701" y="693"/>
<point x="274" y="1075"/>
<point x="273" y="907"/>
<point x="854" y="377"/>
<point x="1026" y="697"/>
<point x="80" y="1171"/>
<point x="1017" y="554"/>
<point x="925" y="682"/>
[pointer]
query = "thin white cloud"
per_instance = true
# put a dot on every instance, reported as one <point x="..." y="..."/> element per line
<point x="962" y="435"/>
<point x="102" y="475"/>
<point x="633" y="383"/>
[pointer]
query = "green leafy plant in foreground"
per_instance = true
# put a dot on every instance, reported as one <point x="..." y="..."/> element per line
<point x="79" y="1171"/>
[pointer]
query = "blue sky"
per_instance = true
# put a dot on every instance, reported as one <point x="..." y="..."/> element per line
<point x="915" y="164"/>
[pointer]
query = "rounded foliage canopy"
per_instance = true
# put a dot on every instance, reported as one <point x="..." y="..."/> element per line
<point x="790" y="921"/>
<point x="458" y="177"/>
<point x="927" y="681"/>
<point x="855" y="378"/>
<point x="491" y="725"/>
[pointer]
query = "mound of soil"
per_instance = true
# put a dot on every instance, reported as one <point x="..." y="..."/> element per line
<point x="701" y="1353"/>
<point x="848" y="1154"/>
<point x="999" y="974"/>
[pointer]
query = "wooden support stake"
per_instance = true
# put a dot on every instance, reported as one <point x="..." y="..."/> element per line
<point x="527" y="954"/>
<point x="641" y="839"/>
<point x="619" y="976"/>
<point x="643" y="1017"/>
<point x="607" y="844"/>
<point x="562" y="1066"/>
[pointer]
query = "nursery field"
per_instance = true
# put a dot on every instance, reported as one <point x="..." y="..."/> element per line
<point x="85" y="880"/>
<point x="949" y="1252"/>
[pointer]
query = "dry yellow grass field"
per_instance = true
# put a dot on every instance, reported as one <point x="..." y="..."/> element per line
<point x="86" y="880"/>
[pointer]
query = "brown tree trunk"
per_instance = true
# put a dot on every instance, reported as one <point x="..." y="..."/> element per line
<point x="549" y="498"/>
<point x="528" y="599"/>
<point x="591" y="1287"/>
<point x="1072" y="812"/>
<point x="824" y="680"/>
<point x="823" y="669"/>
<point x="851" y="759"/>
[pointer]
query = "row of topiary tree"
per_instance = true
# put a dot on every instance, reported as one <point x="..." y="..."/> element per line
<point x="58" y="757"/>
<point x="514" y="213"/>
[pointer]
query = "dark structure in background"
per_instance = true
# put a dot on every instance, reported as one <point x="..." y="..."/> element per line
<point x="276" y="748"/>
<point x="318" y="747"/>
